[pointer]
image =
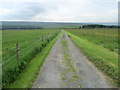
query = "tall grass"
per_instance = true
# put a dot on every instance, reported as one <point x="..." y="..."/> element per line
<point x="31" y="42"/>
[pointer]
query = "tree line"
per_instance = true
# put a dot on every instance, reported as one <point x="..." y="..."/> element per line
<point x="98" y="26"/>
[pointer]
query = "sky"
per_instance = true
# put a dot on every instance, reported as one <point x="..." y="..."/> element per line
<point x="59" y="10"/>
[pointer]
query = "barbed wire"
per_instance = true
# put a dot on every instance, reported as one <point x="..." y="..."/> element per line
<point x="28" y="47"/>
<point x="4" y="67"/>
<point x="23" y="43"/>
<point x="9" y="59"/>
<point x="28" y="41"/>
<point x="12" y="53"/>
<point x="6" y="57"/>
<point x="23" y="50"/>
<point x="9" y="49"/>
<point x="15" y="55"/>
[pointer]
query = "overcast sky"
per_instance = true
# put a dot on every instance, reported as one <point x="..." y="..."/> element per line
<point x="60" y="10"/>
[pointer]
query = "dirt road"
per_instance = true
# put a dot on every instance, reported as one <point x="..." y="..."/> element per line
<point x="67" y="67"/>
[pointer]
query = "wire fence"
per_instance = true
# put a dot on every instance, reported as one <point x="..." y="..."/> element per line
<point x="14" y="51"/>
<point x="21" y="51"/>
<point x="21" y="45"/>
<point x="9" y="56"/>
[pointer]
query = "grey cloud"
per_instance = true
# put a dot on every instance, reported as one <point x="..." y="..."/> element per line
<point x="24" y="11"/>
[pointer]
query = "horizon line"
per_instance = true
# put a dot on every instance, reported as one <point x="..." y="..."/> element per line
<point x="57" y="21"/>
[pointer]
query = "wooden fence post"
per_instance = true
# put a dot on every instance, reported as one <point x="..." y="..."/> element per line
<point x="17" y="51"/>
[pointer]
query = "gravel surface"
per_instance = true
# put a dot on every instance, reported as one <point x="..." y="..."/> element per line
<point x="67" y="67"/>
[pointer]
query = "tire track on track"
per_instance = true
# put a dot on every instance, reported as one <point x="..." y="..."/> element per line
<point x="67" y="67"/>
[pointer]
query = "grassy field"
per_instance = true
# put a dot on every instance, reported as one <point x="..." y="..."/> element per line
<point x="101" y="47"/>
<point x="23" y="37"/>
<point x="28" y="76"/>
<point x="108" y="38"/>
<point x="30" y="43"/>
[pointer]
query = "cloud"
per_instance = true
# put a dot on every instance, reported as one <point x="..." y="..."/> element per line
<point x="80" y="12"/>
<point x="60" y="1"/>
<point x="22" y="11"/>
<point x="60" y="10"/>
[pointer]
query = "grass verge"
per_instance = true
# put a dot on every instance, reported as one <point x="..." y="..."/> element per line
<point x="27" y="77"/>
<point x="104" y="59"/>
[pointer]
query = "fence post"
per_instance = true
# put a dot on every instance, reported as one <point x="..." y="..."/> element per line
<point x="17" y="51"/>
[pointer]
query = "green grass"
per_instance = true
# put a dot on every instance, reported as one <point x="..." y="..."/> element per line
<point x="28" y="76"/>
<point x="23" y="37"/>
<point x="103" y="58"/>
<point x="108" y="38"/>
<point x="30" y="44"/>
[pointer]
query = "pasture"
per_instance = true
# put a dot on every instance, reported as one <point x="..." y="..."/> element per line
<point x="108" y="38"/>
<point x="19" y="48"/>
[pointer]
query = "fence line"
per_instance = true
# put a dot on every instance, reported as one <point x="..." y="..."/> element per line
<point x="15" y="55"/>
<point x="28" y="41"/>
<point x="6" y="66"/>
<point x="28" y="47"/>
<point x="9" y="49"/>
<point x="5" y="57"/>
<point x="23" y="43"/>
<point x="20" y="50"/>
<point x="23" y="50"/>
<point x="9" y="59"/>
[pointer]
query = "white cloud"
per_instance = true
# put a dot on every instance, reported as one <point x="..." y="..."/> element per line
<point x="4" y="12"/>
<point x="60" y="1"/>
<point x="78" y="12"/>
<point x="60" y="10"/>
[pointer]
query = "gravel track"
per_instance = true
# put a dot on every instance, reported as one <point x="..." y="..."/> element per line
<point x="67" y="67"/>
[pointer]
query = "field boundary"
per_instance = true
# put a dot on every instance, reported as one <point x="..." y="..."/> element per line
<point x="13" y="66"/>
<point x="27" y="77"/>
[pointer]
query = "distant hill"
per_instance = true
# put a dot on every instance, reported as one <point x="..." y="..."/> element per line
<point x="30" y="25"/>
<point x="41" y="25"/>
